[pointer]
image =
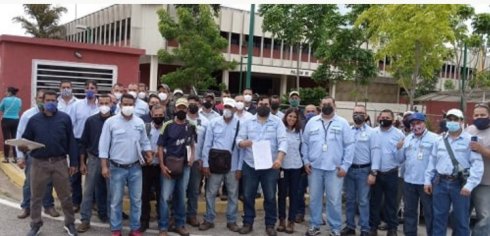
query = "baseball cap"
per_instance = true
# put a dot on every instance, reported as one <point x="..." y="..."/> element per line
<point x="294" y="93"/>
<point x="229" y="102"/>
<point x="416" y="116"/>
<point x="455" y="112"/>
<point x="178" y="91"/>
<point x="182" y="102"/>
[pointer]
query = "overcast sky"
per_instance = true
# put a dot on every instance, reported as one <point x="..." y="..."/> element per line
<point x="10" y="10"/>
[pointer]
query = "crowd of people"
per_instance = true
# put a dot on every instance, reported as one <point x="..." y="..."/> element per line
<point x="169" y="147"/>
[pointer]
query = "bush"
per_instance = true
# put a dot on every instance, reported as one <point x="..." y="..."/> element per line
<point x="308" y="96"/>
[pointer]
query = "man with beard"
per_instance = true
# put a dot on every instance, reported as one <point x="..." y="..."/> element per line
<point x="327" y="149"/>
<point x="261" y="128"/>
<point x="480" y="195"/>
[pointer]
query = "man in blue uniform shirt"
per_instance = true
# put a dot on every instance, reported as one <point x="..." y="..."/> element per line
<point x="123" y="139"/>
<point x="450" y="180"/>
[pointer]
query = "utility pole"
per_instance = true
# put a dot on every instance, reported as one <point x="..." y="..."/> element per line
<point x="463" y="78"/>
<point x="250" y="46"/>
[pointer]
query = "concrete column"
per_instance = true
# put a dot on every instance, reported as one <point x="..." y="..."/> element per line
<point x="334" y="87"/>
<point x="154" y="80"/>
<point x="284" y="85"/>
<point x="225" y="78"/>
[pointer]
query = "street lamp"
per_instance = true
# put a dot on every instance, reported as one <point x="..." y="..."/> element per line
<point x="241" y="74"/>
<point x="88" y="31"/>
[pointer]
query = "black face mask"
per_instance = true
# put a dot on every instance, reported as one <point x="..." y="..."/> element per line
<point x="263" y="111"/>
<point x="181" y="115"/>
<point x="193" y="108"/>
<point x="385" y="123"/>
<point x="207" y="105"/>
<point x="274" y="106"/>
<point x="158" y="120"/>
<point x="358" y="119"/>
<point x="327" y="110"/>
<point x="481" y="123"/>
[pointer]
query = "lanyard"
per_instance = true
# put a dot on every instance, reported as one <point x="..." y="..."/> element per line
<point x="326" y="130"/>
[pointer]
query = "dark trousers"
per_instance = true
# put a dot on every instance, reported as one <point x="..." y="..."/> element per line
<point x="76" y="183"/>
<point x="303" y="184"/>
<point x="287" y="187"/>
<point x="268" y="180"/>
<point x="386" y="187"/>
<point x="9" y="131"/>
<point x="43" y="171"/>
<point x="192" y="191"/>
<point x="151" y="184"/>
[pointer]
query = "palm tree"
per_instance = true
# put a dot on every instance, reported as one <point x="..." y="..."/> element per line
<point x="45" y="20"/>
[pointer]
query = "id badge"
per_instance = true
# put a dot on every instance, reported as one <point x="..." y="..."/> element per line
<point x="325" y="147"/>
<point x="281" y="175"/>
<point x="419" y="156"/>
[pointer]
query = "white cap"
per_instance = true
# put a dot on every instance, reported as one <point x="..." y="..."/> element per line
<point x="455" y="112"/>
<point x="229" y="102"/>
<point x="294" y="93"/>
<point x="178" y="91"/>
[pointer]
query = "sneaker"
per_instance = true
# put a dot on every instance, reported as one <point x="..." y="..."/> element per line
<point x="312" y="231"/>
<point x="205" y="226"/>
<point x="35" y="230"/>
<point x="348" y="232"/>
<point x="135" y="233"/>
<point x="51" y="212"/>
<point x="233" y="227"/>
<point x="83" y="227"/>
<point x="116" y="233"/>
<point x="70" y="230"/>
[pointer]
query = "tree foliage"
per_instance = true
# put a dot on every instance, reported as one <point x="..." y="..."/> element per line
<point x="200" y="47"/>
<point x="413" y="36"/>
<point x="41" y="20"/>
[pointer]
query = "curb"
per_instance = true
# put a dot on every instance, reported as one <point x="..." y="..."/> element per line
<point x="17" y="177"/>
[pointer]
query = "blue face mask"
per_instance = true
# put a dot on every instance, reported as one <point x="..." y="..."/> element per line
<point x="90" y="94"/>
<point x="51" y="106"/>
<point x="452" y="126"/>
<point x="309" y="115"/>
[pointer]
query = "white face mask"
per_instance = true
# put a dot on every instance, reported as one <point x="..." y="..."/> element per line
<point x="127" y="110"/>
<point x="104" y="109"/>
<point x="142" y="95"/>
<point x="239" y="106"/>
<point x="118" y="95"/>
<point x="132" y="93"/>
<point x="163" y="96"/>
<point x="227" y="113"/>
<point x="248" y="98"/>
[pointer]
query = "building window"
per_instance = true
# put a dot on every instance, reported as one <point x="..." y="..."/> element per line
<point x="49" y="74"/>
<point x="267" y="43"/>
<point x="235" y="39"/>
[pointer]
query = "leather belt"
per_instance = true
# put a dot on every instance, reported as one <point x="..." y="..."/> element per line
<point x="449" y="177"/>
<point x="389" y="171"/>
<point x="356" y="166"/>
<point x="124" y="166"/>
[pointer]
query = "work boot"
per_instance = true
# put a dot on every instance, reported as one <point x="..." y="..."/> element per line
<point x="300" y="218"/>
<point x="83" y="227"/>
<point x="52" y="212"/>
<point x="26" y="212"/>
<point x="290" y="227"/>
<point x="282" y="225"/>
<point x="246" y="229"/>
<point x="270" y="231"/>
<point x="193" y="221"/>
<point x="233" y="227"/>
<point x="182" y="231"/>
<point x="205" y="226"/>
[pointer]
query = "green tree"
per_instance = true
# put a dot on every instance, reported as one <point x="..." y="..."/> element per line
<point x="299" y="24"/>
<point x="200" y="47"/>
<point x="41" y="20"/>
<point x="448" y="85"/>
<point x="413" y="36"/>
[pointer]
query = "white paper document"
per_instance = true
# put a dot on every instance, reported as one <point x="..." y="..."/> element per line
<point x="24" y="142"/>
<point x="262" y="154"/>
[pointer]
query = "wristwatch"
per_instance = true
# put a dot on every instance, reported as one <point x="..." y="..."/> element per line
<point x="373" y="172"/>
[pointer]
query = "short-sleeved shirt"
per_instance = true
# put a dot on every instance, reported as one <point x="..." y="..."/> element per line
<point x="175" y="138"/>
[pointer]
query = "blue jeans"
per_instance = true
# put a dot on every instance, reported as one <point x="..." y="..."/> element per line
<point x="287" y="187"/>
<point x="481" y="201"/>
<point x="326" y="182"/>
<point x="48" y="200"/>
<point x="134" y="179"/>
<point x="192" y="190"/>
<point x="357" y="193"/>
<point x="91" y="185"/>
<point x="384" y="190"/>
<point x="251" y="179"/>
<point x="174" y="188"/>
<point x="212" y="187"/>
<point x="412" y="193"/>
<point x="447" y="192"/>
